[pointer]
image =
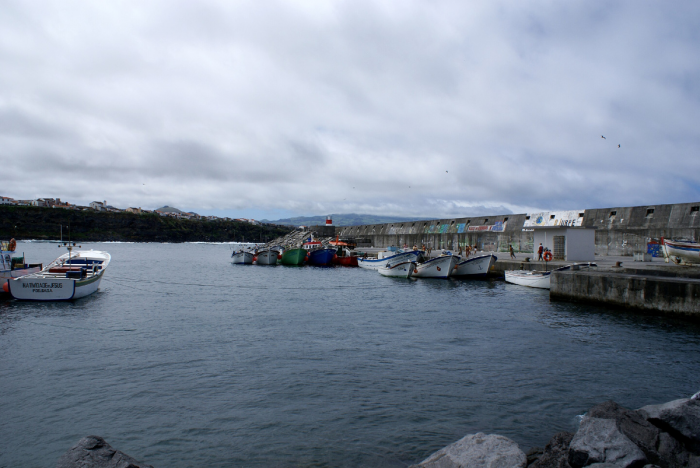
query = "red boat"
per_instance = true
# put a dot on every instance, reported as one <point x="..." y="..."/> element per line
<point x="345" y="258"/>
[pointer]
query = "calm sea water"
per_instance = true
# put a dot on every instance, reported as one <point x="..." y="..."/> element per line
<point x="184" y="360"/>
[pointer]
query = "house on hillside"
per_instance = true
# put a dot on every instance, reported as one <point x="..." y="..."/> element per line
<point x="134" y="210"/>
<point x="7" y="201"/>
<point x="99" y="205"/>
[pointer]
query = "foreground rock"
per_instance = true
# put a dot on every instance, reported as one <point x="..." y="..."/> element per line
<point x="610" y="435"/>
<point x="95" y="452"/>
<point x="478" y="451"/>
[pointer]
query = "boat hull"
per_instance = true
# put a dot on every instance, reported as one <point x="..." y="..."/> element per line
<point x="682" y="252"/>
<point x="440" y="267"/>
<point x="346" y="261"/>
<point x="477" y="267"/>
<point x="400" y="270"/>
<point x="293" y="257"/>
<point x="321" y="257"/>
<point x="242" y="258"/>
<point x="533" y="279"/>
<point x="375" y="264"/>
<point x="267" y="257"/>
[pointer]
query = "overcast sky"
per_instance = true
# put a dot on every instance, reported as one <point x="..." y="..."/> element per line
<point x="414" y="108"/>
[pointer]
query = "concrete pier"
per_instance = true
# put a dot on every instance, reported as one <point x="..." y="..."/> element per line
<point x="654" y="293"/>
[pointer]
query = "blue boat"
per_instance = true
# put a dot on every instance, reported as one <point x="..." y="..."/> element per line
<point x="321" y="257"/>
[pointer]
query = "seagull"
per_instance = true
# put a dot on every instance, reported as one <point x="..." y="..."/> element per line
<point x="447" y="171"/>
<point x="603" y="137"/>
<point x="618" y="145"/>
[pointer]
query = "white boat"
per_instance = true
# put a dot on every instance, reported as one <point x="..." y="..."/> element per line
<point x="398" y="270"/>
<point x="267" y="257"/>
<point x="73" y="275"/>
<point x="440" y="267"/>
<point x="682" y="251"/>
<point x="539" y="279"/>
<point x="476" y="267"/>
<point x="242" y="258"/>
<point x="12" y="266"/>
<point x="377" y="263"/>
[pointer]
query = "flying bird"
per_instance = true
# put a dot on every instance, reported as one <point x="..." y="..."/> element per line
<point x="447" y="171"/>
<point x="618" y="145"/>
<point x="603" y="137"/>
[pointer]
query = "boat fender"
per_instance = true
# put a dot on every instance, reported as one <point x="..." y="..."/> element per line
<point x="279" y="257"/>
<point x="255" y="259"/>
<point x="438" y="269"/>
<point x="6" y="287"/>
<point x="415" y="270"/>
<point x="12" y="245"/>
<point x="547" y="256"/>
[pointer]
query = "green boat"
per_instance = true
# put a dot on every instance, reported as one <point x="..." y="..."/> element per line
<point x="293" y="257"/>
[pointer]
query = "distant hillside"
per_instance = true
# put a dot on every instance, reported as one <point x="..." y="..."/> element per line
<point x="350" y="219"/>
<point x="168" y="209"/>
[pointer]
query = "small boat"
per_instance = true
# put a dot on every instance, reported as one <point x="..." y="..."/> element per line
<point x="14" y="267"/>
<point x="398" y="270"/>
<point x="73" y="275"/>
<point x="242" y="258"/>
<point x="345" y="258"/>
<point x="293" y="257"/>
<point x="682" y="251"/>
<point x="375" y="264"/>
<point x="539" y="279"/>
<point x="267" y="257"/>
<point x="439" y="267"/>
<point x="476" y="267"/>
<point x="321" y="257"/>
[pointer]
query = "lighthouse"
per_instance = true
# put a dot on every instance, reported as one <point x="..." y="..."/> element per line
<point x="329" y="221"/>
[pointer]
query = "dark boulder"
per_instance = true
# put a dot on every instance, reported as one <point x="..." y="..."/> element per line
<point x="680" y="418"/>
<point x="95" y="452"/>
<point x="556" y="452"/>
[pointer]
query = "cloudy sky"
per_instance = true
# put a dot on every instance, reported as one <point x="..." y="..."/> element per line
<point x="416" y="108"/>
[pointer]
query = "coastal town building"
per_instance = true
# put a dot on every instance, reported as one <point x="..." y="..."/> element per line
<point x="99" y="205"/>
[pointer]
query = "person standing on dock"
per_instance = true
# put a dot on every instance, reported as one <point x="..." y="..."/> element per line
<point x="512" y="252"/>
<point x="539" y="253"/>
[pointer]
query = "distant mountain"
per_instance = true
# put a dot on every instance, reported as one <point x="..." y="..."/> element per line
<point x="168" y="209"/>
<point x="350" y="219"/>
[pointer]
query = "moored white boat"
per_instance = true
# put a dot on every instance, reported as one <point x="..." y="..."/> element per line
<point x="73" y="275"/>
<point x="539" y="279"/>
<point x="267" y="257"/>
<point x="682" y="251"/>
<point x="476" y="267"/>
<point x="440" y="267"/>
<point x="242" y="258"/>
<point x="398" y="270"/>
<point x="375" y="264"/>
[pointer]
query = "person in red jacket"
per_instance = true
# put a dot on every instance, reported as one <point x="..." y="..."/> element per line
<point x="539" y="252"/>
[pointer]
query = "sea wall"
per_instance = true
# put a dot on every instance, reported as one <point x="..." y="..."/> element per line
<point x="660" y="295"/>
<point x="619" y="230"/>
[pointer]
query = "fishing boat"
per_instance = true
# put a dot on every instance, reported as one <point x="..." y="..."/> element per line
<point x="398" y="270"/>
<point x="73" y="275"/>
<point x="321" y="257"/>
<point x="267" y="257"/>
<point x="12" y="266"/>
<point x="377" y="263"/>
<point x="439" y="267"/>
<point x="242" y="258"/>
<point x="345" y="257"/>
<point x="682" y="251"/>
<point x="539" y="279"/>
<point x="293" y="257"/>
<point x="476" y="267"/>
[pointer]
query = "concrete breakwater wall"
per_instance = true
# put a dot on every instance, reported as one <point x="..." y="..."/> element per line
<point x="619" y="230"/>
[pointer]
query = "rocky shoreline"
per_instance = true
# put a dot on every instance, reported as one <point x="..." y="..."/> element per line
<point x="609" y="436"/>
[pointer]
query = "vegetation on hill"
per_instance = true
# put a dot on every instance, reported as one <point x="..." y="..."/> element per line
<point x="350" y="219"/>
<point x="28" y="222"/>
